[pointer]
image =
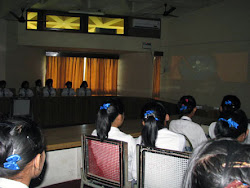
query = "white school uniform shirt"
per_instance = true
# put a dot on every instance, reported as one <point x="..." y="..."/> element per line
<point x="49" y="92"/>
<point x="212" y="134"/>
<point x="191" y="130"/>
<point x="84" y="92"/>
<point x="39" y="90"/>
<point x="211" y="130"/>
<point x="7" y="183"/>
<point x="116" y="134"/>
<point x="5" y="93"/>
<point x="26" y="92"/>
<point x="167" y="139"/>
<point x="68" y="92"/>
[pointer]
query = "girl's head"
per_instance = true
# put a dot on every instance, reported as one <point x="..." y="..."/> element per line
<point x="25" y="85"/>
<point x="111" y="113"/>
<point x="230" y="103"/>
<point x="186" y="105"/>
<point x="21" y="148"/>
<point x="84" y="84"/>
<point x="154" y="117"/>
<point x="218" y="163"/>
<point x="233" y="125"/>
<point x="68" y="84"/>
<point x="49" y="83"/>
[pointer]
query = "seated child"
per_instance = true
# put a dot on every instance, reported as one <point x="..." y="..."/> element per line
<point x="154" y="132"/>
<point x="109" y="118"/>
<point x="185" y="125"/>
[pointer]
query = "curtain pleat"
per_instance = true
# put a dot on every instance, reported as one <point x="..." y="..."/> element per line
<point x="63" y="69"/>
<point x="101" y="75"/>
<point x="156" y="77"/>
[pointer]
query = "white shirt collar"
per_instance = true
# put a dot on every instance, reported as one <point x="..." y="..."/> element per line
<point x="8" y="183"/>
<point x="114" y="128"/>
<point x="186" y="118"/>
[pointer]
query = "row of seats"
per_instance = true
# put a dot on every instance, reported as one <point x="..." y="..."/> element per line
<point x="105" y="165"/>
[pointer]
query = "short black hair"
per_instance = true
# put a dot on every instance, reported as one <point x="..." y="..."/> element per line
<point x="48" y="82"/>
<point x="24" y="83"/>
<point x="84" y="83"/>
<point x="186" y="104"/>
<point x="2" y="82"/>
<point x="38" y="81"/>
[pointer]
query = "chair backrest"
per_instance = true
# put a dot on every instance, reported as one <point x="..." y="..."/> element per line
<point x="160" y="167"/>
<point x="104" y="163"/>
<point x="21" y="107"/>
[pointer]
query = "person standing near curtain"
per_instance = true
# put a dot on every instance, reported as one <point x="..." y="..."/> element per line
<point x="49" y="91"/>
<point x="4" y="92"/>
<point x="25" y="91"/>
<point x="84" y="90"/>
<point x="68" y="91"/>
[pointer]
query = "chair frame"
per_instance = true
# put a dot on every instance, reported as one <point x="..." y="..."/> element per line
<point x="140" y="150"/>
<point x="97" y="182"/>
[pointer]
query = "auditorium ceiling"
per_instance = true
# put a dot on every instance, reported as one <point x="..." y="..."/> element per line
<point x="136" y="8"/>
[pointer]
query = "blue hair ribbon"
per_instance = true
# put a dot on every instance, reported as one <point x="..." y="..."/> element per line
<point x="105" y="106"/>
<point x="183" y="108"/>
<point x="228" y="102"/>
<point x="230" y="122"/>
<point x="150" y="113"/>
<point x="11" y="162"/>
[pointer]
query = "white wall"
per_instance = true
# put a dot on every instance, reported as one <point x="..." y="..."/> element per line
<point x="3" y="48"/>
<point x="135" y="72"/>
<point x="25" y="55"/>
<point x="22" y="62"/>
<point x="222" y="28"/>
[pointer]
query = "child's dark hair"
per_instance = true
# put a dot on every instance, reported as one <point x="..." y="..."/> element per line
<point x="39" y="81"/>
<point x="19" y="137"/>
<point x="153" y="115"/>
<point x="106" y="115"/>
<point x="230" y="103"/>
<point x="48" y="82"/>
<point x="24" y="83"/>
<point x="231" y="125"/>
<point x="68" y="83"/>
<point x="84" y="84"/>
<point x="217" y="164"/>
<point x="2" y="82"/>
<point x="186" y="105"/>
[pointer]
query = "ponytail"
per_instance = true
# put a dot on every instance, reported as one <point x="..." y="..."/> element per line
<point x="153" y="116"/>
<point x="105" y="117"/>
<point x="149" y="132"/>
<point x="103" y="124"/>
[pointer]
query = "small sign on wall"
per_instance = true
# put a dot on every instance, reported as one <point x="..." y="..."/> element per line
<point x="146" y="45"/>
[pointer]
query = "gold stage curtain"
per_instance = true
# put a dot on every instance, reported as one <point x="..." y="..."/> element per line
<point x="156" y="77"/>
<point x="101" y="75"/>
<point x="63" y="69"/>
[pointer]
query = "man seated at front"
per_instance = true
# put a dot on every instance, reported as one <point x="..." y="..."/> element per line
<point x="49" y="91"/>
<point x="4" y="92"/>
